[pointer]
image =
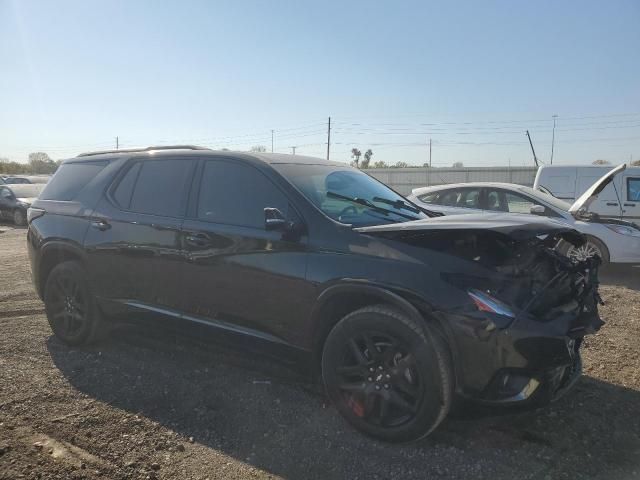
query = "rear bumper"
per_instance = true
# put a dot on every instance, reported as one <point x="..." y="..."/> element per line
<point x="32" y="250"/>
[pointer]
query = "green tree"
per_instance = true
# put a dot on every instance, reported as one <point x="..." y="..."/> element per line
<point x="355" y="154"/>
<point x="7" y="167"/>
<point x="367" y="159"/>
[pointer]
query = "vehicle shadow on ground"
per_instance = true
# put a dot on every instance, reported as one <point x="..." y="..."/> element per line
<point x="6" y="225"/>
<point x="268" y="415"/>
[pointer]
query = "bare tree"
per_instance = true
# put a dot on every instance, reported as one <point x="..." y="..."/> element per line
<point x="458" y="165"/>
<point x="40" y="162"/>
<point x="380" y="164"/>
<point x="601" y="162"/>
<point x="258" y="149"/>
<point x="401" y="165"/>
<point x="635" y="163"/>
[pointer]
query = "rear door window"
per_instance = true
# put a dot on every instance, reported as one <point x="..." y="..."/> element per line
<point x="460" y="198"/>
<point x="449" y="198"/>
<point x="469" y="198"/>
<point x="124" y="191"/>
<point x="495" y="201"/>
<point x="70" y="179"/>
<point x="160" y="188"/>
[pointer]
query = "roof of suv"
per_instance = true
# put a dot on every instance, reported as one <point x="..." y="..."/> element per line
<point x="188" y="150"/>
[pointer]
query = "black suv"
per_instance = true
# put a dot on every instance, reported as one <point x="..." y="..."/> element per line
<point x="399" y="310"/>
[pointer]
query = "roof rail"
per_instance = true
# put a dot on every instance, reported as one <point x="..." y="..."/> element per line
<point x="133" y="150"/>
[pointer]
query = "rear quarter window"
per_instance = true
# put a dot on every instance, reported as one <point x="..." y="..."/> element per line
<point x="70" y="180"/>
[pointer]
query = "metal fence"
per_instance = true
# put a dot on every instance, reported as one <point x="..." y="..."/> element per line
<point x="405" y="179"/>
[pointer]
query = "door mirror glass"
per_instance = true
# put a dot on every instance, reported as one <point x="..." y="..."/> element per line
<point x="537" y="210"/>
<point x="274" y="220"/>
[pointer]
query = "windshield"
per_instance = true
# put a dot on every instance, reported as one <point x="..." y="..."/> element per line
<point x="348" y="195"/>
<point x="545" y="197"/>
<point x="27" y="190"/>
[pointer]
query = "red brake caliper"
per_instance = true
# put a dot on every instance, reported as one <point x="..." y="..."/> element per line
<point x="356" y="406"/>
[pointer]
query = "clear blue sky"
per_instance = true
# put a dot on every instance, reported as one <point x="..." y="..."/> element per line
<point x="470" y="75"/>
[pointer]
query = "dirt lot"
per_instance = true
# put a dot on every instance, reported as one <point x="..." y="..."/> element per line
<point x="166" y="407"/>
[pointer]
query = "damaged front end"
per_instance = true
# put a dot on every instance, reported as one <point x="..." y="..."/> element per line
<point x="521" y="308"/>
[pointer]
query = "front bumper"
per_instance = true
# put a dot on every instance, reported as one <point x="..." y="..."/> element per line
<point x="529" y="361"/>
<point x="515" y="387"/>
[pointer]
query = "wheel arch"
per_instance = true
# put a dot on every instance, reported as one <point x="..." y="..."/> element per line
<point x="604" y="246"/>
<point x="53" y="253"/>
<point x="339" y="300"/>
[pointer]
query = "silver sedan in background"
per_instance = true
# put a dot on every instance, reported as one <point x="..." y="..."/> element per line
<point x="613" y="240"/>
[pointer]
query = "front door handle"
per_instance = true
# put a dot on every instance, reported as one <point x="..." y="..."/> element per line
<point x="101" y="225"/>
<point x="198" y="239"/>
<point x="612" y="204"/>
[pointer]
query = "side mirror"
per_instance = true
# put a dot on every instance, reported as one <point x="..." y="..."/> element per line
<point x="274" y="220"/>
<point x="537" y="210"/>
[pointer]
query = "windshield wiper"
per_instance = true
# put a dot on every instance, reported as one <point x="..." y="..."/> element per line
<point x="367" y="203"/>
<point x="397" y="204"/>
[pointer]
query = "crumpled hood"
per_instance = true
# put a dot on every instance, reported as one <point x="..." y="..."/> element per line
<point x="588" y="197"/>
<point x="517" y="226"/>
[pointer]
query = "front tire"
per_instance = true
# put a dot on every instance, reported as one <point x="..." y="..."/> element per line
<point x="388" y="376"/>
<point x="70" y="307"/>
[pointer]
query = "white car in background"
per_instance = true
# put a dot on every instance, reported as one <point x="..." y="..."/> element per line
<point x="613" y="240"/>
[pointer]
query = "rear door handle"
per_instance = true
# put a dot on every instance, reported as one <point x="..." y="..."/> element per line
<point x="629" y="204"/>
<point x="101" y="225"/>
<point x="198" y="239"/>
<point x="612" y="204"/>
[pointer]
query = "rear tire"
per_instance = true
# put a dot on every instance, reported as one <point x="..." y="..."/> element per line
<point x="70" y="306"/>
<point x="19" y="218"/>
<point x="388" y="376"/>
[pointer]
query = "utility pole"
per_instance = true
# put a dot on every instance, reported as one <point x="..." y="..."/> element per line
<point x="535" y="159"/>
<point x="328" y="137"/>
<point x="271" y="141"/>
<point x="553" y="137"/>
<point x="293" y="150"/>
<point x="429" y="153"/>
<point x="117" y="143"/>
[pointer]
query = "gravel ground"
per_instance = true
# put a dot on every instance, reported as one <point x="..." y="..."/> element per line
<point x="160" y="406"/>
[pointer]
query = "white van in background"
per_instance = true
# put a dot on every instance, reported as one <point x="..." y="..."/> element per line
<point x="569" y="182"/>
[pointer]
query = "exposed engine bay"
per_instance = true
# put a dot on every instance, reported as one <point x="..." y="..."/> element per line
<point x="524" y="270"/>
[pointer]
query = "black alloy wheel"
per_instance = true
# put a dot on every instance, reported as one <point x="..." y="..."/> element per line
<point x="69" y="305"/>
<point x="386" y="375"/>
